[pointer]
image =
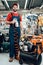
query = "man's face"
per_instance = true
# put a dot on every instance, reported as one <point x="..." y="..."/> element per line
<point x="15" y="8"/>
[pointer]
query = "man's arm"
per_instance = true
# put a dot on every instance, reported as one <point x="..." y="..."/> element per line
<point x="21" y="25"/>
<point x="10" y="22"/>
<point x="9" y="19"/>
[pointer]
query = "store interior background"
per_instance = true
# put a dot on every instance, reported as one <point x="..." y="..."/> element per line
<point x="25" y="8"/>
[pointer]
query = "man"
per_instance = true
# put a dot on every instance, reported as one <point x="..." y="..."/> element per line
<point x="14" y="20"/>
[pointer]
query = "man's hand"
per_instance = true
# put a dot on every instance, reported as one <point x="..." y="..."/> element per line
<point x="13" y="22"/>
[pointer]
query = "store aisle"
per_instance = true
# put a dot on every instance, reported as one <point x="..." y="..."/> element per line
<point x="4" y="60"/>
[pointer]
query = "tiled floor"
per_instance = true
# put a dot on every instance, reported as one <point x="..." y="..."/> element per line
<point x="4" y="60"/>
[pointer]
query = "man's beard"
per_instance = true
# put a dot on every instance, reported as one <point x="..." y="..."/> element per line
<point x="14" y="10"/>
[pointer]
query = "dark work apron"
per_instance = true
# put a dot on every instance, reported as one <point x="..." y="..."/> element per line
<point x="14" y="36"/>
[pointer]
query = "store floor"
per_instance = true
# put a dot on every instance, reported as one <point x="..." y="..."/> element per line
<point x="4" y="60"/>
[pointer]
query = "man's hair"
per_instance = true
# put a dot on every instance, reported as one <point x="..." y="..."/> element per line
<point x="15" y="4"/>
